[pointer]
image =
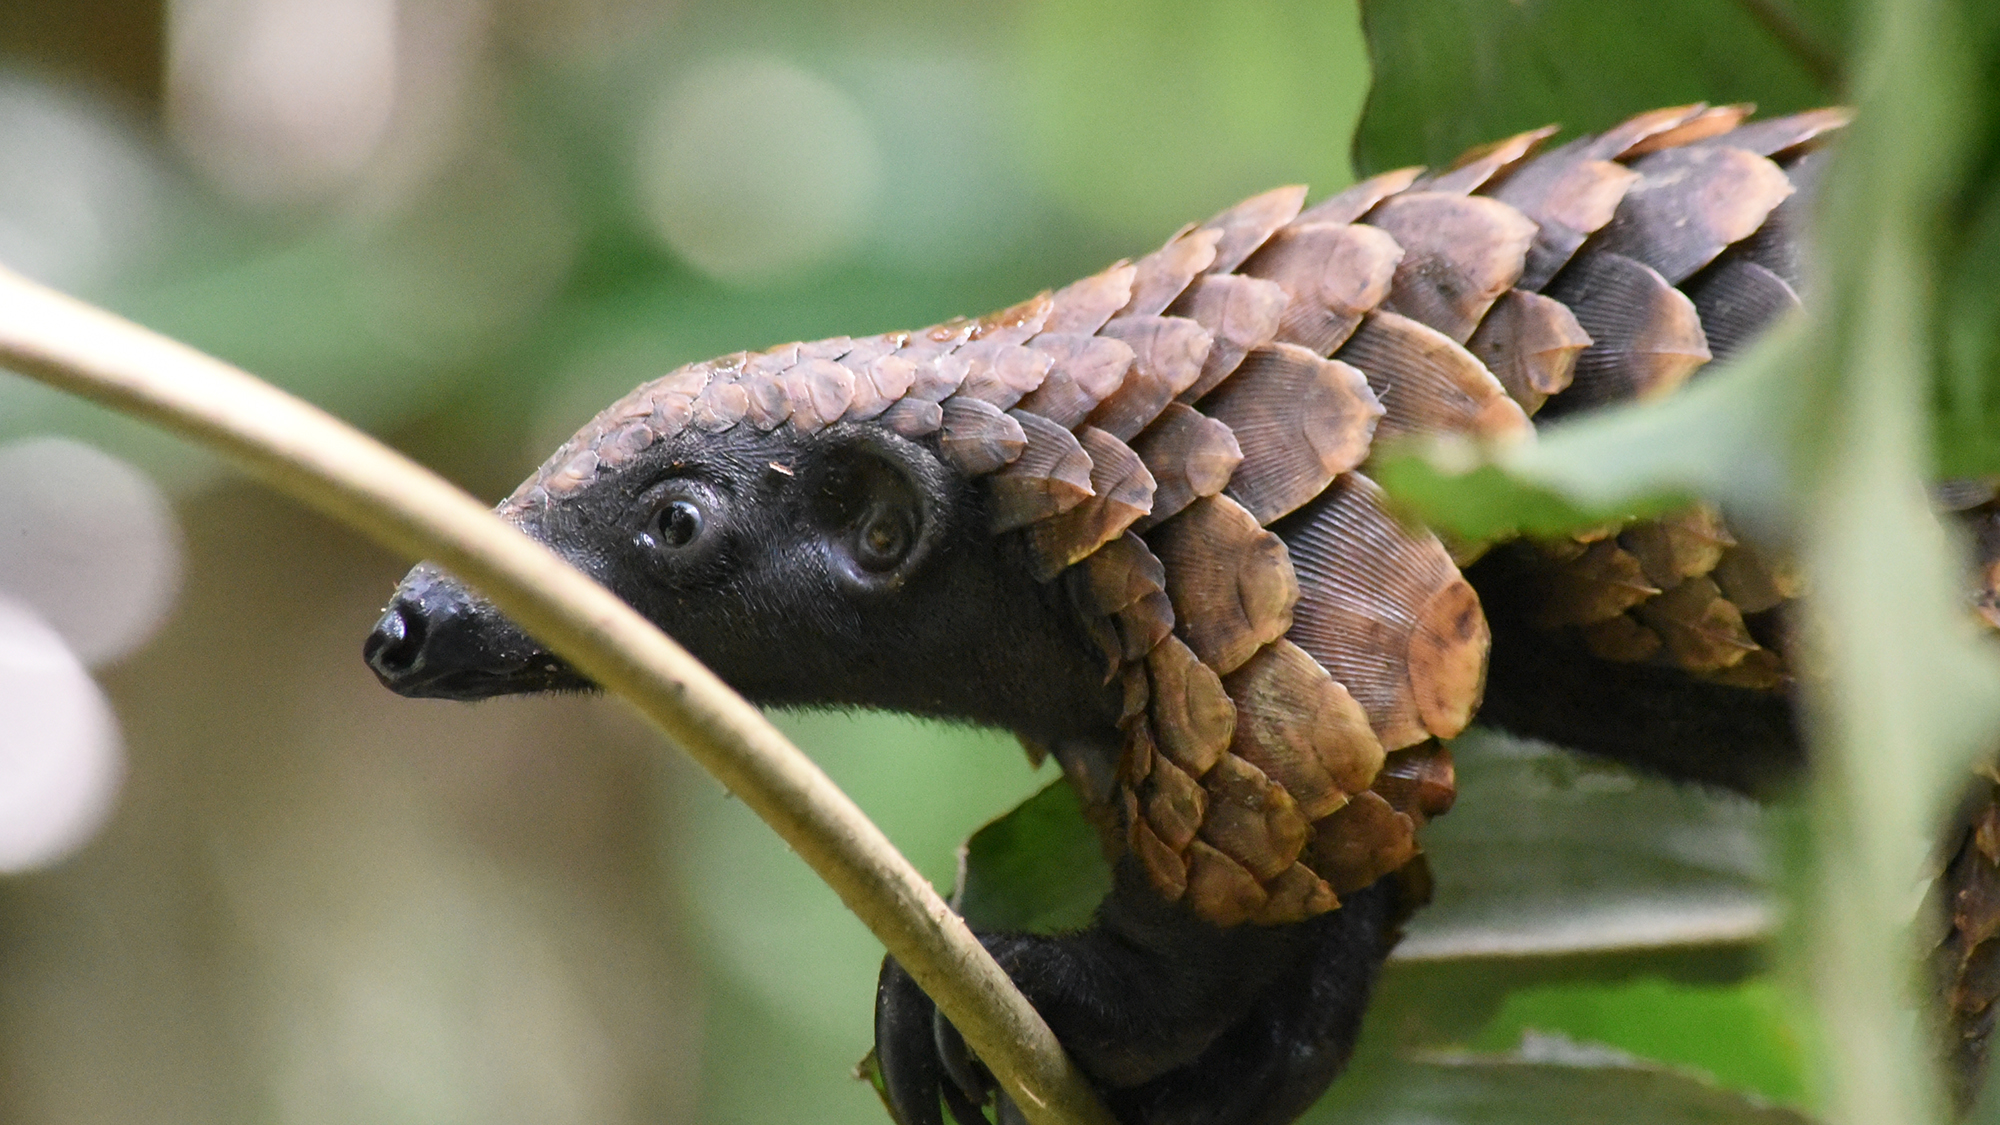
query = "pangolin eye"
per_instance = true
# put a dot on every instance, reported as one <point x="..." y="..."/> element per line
<point x="883" y="538"/>
<point x="678" y="526"/>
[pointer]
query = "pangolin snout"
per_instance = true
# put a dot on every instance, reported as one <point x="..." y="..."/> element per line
<point x="438" y="640"/>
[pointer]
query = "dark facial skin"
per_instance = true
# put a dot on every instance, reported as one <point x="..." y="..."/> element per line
<point x="850" y="567"/>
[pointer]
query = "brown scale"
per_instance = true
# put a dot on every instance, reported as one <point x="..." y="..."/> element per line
<point x="1084" y="371"/>
<point x="1239" y="312"/>
<point x="1779" y="137"/>
<point x="1349" y="205"/>
<point x="1574" y="190"/>
<point x="1460" y="253"/>
<point x="821" y="392"/>
<point x="1190" y="455"/>
<point x="1283" y="688"/>
<point x="1160" y="277"/>
<point x="1585" y="583"/>
<point x="1488" y="162"/>
<point x="1051" y="476"/>
<point x="1646" y="336"/>
<point x="1530" y="343"/>
<point x="1230" y="581"/>
<point x="1246" y="226"/>
<point x="1300" y="727"/>
<point x="993" y="371"/>
<point x="1192" y="718"/>
<point x="1428" y="383"/>
<point x="1298" y="421"/>
<point x="1167" y="357"/>
<point x="1711" y="121"/>
<point x="1735" y="300"/>
<point x="1082" y="307"/>
<point x="1376" y="833"/>
<point x="1331" y="273"/>
<point x="1142" y="625"/>
<point x="914" y="417"/>
<point x="1690" y="204"/>
<point x="1251" y="818"/>
<point x="1383" y="609"/>
<point x="880" y="381"/>
<point x="978" y="437"/>
<point x="1121" y="492"/>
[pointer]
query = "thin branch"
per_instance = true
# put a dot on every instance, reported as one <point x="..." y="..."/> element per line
<point x="308" y="454"/>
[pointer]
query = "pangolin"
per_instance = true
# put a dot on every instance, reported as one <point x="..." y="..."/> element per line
<point x="1132" y="521"/>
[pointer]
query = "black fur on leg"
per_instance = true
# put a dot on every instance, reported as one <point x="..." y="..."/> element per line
<point x="1177" y="1022"/>
<point x="1281" y="1057"/>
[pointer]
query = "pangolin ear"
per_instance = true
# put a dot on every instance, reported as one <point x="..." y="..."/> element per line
<point x="879" y="504"/>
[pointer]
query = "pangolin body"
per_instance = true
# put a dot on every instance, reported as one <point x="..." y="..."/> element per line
<point x="1181" y="443"/>
<point x="1132" y="521"/>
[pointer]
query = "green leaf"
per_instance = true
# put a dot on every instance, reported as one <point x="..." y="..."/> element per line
<point x="1485" y="501"/>
<point x="1551" y="1081"/>
<point x="1723" y="438"/>
<point x="869" y="1070"/>
<point x="1968" y="400"/>
<point x="1554" y="854"/>
<point x="1450" y="76"/>
<point x="1745" y="1036"/>
<point x="1037" y="869"/>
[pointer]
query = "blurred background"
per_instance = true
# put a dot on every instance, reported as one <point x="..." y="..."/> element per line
<point x="247" y="884"/>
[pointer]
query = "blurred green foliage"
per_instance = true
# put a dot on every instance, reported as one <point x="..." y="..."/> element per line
<point x="1502" y="67"/>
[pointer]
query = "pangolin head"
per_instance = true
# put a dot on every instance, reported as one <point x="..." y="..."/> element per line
<point x="760" y="509"/>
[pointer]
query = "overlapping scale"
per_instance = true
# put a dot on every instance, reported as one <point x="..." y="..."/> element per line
<point x="1460" y="253"/>
<point x="1646" y="336"/>
<point x="1690" y="204"/>
<point x="1240" y="314"/>
<point x="1051" y="476"/>
<point x="1530" y="343"/>
<point x="1167" y="357"/>
<point x="1429" y="384"/>
<point x="1384" y="610"/>
<point x="1331" y="273"/>
<point x="1121" y="492"/>
<point x="1488" y="162"/>
<point x="1230" y="581"/>
<point x="1190" y="455"/>
<point x="1298" y="420"/>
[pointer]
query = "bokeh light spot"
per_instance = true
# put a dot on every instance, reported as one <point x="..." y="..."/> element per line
<point x="78" y="195"/>
<point x="280" y="101"/>
<point x="753" y="170"/>
<point x="60" y="759"/>
<point x="89" y="543"/>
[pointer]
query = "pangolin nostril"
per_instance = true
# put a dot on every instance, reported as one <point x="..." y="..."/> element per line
<point x="395" y="646"/>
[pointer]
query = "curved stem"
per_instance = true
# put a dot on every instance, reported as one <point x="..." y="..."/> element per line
<point x="314" y="457"/>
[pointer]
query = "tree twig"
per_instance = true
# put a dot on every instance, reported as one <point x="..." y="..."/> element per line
<point x="314" y="457"/>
